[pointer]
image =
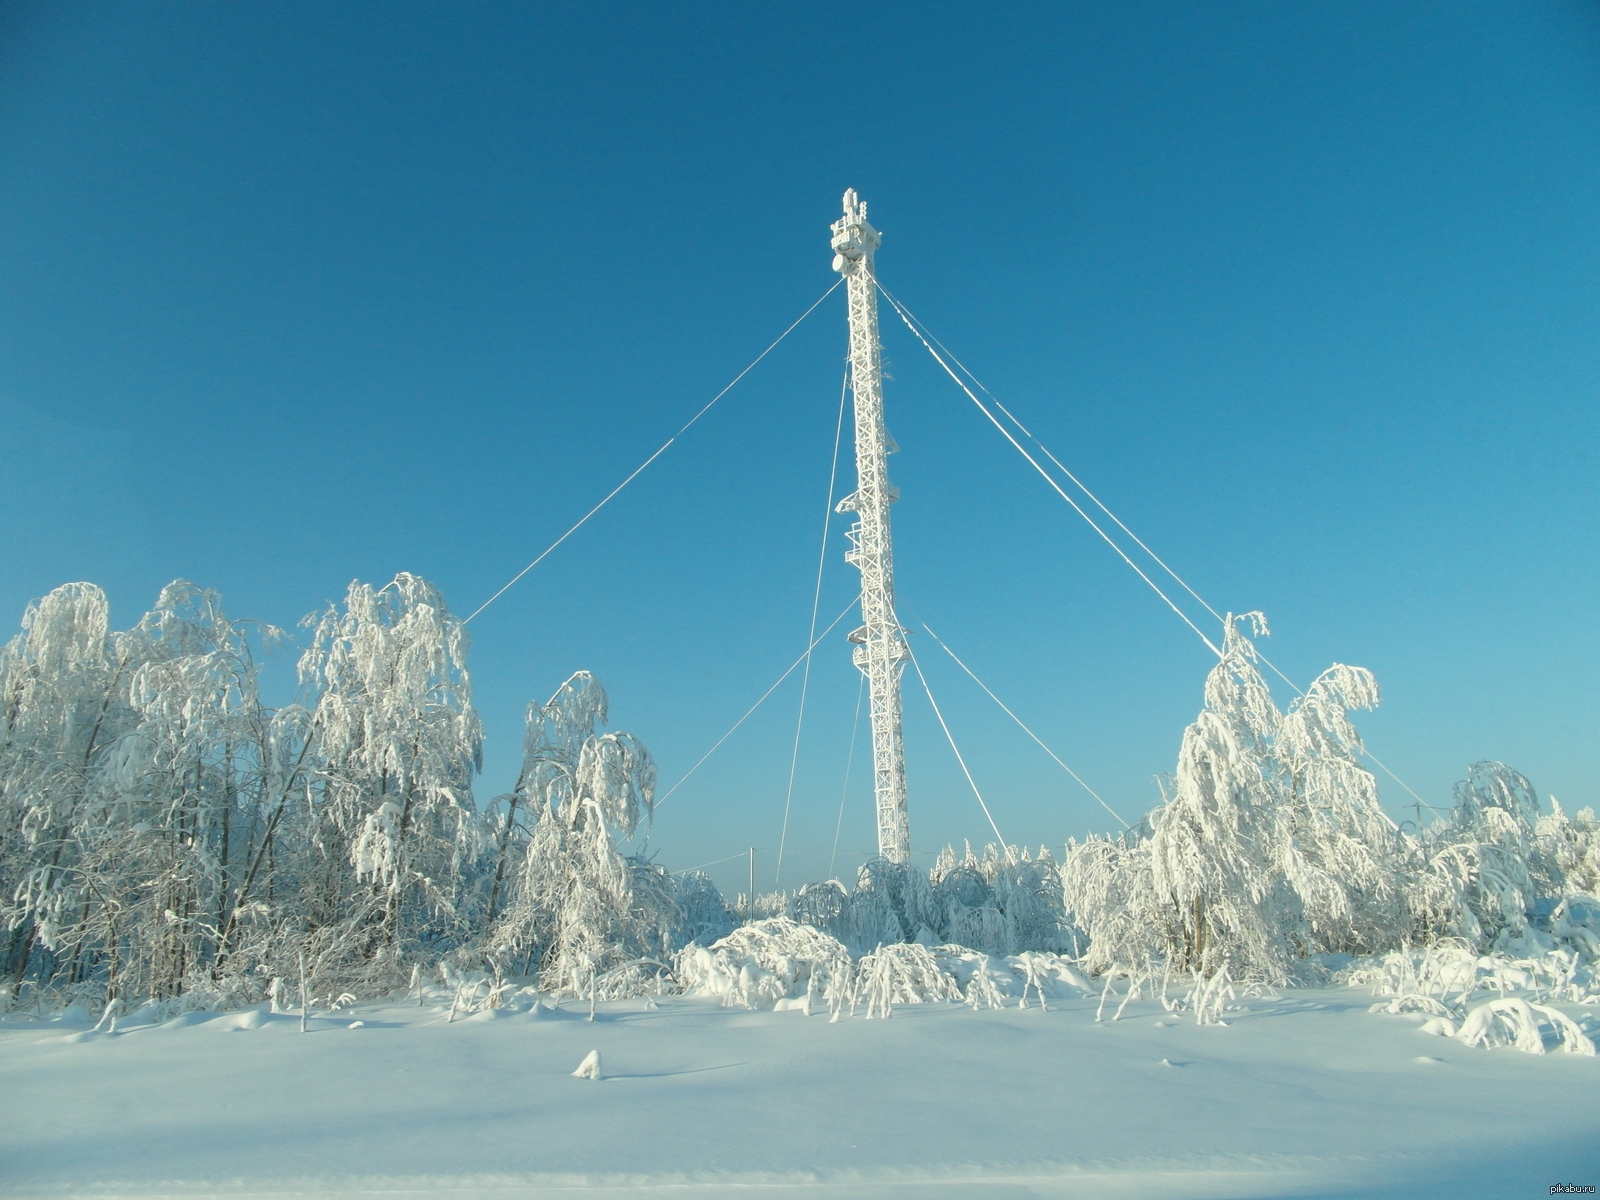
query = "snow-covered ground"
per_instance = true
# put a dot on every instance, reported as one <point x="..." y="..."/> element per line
<point x="1305" y="1095"/>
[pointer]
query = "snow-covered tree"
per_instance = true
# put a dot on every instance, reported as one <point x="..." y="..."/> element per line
<point x="1482" y="871"/>
<point x="63" y="687"/>
<point x="1214" y="848"/>
<point x="1004" y="902"/>
<point x="146" y="751"/>
<point x="1127" y="923"/>
<point x="1338" y="850"/>
<point x="1573" y="844"/>
<point x="1271" y="846"/>
<point x="180" y="798"/>
<point x="578" y="907"/>
<point x="397" y="743"/>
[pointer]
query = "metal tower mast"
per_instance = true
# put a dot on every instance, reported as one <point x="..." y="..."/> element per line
<point x="880" y="651"/>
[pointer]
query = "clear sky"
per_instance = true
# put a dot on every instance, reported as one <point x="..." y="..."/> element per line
<point x="293" y="294"/>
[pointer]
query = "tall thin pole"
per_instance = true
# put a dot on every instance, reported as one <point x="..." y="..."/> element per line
<point x="880" y="648"/>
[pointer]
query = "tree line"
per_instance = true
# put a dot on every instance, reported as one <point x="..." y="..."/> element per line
<point x="166" y="836"/>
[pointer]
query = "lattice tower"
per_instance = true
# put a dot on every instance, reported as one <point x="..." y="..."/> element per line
<point x="880" y="647"/>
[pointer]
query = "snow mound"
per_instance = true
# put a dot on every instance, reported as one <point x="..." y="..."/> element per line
<point x="589" y="1068"/>
<point x="760" y="964"/>
<point x="250" y="1018"/>
<point x="1523" y="1026"/>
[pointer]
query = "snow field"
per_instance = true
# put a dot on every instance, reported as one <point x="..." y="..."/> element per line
<point x="1308" y="1094"/>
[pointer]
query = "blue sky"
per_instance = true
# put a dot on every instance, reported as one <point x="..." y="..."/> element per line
<point x="302" y="293"/>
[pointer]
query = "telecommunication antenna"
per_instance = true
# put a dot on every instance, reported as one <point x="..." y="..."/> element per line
<point x="880" y="647"/>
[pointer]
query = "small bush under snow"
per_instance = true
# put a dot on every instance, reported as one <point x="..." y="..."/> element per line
<point x="763" y="963"/>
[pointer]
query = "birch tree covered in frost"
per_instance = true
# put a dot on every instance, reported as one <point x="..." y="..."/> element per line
<point x="1002" y="902"/>
<point x="1484" y="869"/>
<point x="63" y="686"/>
<point x="1270" y="847"/>
<point x="1271" y="852"/>
<point x="577" y="907"/>
<point x="180" y="798"/>
<point x="397" y="743"/>
<point x="1339" y="849"/>
<point x="140" y="757"/>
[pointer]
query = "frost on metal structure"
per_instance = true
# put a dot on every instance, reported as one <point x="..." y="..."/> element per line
<point x="880" y="650"/>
